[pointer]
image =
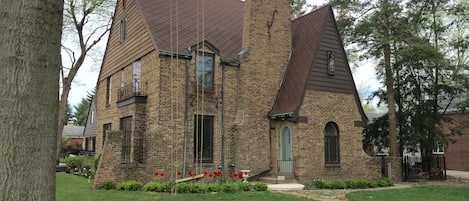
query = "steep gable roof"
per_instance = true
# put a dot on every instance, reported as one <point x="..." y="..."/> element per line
<point x="306" y="32"/>
<point x="188" y="22"/>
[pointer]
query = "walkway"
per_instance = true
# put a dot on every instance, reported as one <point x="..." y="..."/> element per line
<point x="337" y="195"/>
<point x="458" y="175"/>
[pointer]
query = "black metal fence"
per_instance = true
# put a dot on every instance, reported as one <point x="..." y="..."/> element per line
<point x="417" y="168"/>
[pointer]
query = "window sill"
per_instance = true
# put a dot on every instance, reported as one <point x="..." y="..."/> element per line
<point x="333" y="165"/>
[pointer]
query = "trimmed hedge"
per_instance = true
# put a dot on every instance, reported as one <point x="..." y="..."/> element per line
<point x="108" y="185"/>
<point x="129" y="186"/>
<point x="351" y="183"/>
<point x="187" y="187"/>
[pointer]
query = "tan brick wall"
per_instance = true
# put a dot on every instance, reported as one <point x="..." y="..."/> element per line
<point x="308" y="139"/>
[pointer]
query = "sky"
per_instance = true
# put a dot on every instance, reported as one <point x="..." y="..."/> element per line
<point x="85" y="80"/>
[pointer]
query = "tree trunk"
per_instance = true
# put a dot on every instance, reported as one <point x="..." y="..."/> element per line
<point x="393" y="150"/>
<point x="29" y="70"/>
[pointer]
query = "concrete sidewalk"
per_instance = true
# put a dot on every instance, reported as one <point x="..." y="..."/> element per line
<point x="461" y="175"/>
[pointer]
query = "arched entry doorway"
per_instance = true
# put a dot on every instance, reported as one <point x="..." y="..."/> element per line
<point x="286" y="156"/>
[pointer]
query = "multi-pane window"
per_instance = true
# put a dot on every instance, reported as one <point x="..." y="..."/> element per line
<point x="203" y="138"/>
<point x="126" y="127"/>
<point x="137" y="76"/>
<point x="106" y="127"/>
<point x="330" y="63"/>
<point x="438" y="148"/>
<point x="204" y="71"/>
<point x="331" y="144"/>
<point x="108" y="90"/>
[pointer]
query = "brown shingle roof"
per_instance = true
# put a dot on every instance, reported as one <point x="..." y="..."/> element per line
<point x="216" y="21"/>
<point x="306" y="35"/>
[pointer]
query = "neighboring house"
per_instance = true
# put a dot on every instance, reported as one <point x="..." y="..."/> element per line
<point x="192" y="85"/>
<point x="75" y="133"/>
<point x="89" y="132"/>
<point x="457" y="151"/>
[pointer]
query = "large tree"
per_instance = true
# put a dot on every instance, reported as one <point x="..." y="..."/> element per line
<point x="86" y="23"/>
<point x="81" y="112"/>
<point x="29" y="70"/>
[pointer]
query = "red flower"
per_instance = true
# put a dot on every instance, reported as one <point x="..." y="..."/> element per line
<point x="155" y="174"/>
<point x="235" y="175"/>
<point x="162" y="174"/>
<point x="190" y="173"/>
<point x="230" y="175"/>
<point x="240" y="175"/>
<point x="205" y="173"/>
<point x="210" y="175"/>
<point x="179" y="173"/>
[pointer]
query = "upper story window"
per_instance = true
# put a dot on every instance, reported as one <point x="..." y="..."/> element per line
<point x="122" y="30"/>
<point x="137" y="76"/>
<point x="330" y="63"/>
<point x="92" y="117"/>
<point x="204" y="70"/>
<point x="122" y="79"/>
<point x="108" y="90"/>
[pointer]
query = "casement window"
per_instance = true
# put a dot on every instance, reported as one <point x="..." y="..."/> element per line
<point x="126" y="127"/>
<point x="330" y="63"/>
<point x="438" y="148"/>
<point x="204" y="71"/>
<point x="331" y="144"/>
<point x="203" y="139"/>
<point x="108" y="90"/>
<point x="137" y="76"/>
<point x="122" y="30"/>
<point x="106" y="127"/>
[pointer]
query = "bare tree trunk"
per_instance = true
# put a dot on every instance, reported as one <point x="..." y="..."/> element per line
<point x="393" y="150"/>
<point x="29" y="70"/>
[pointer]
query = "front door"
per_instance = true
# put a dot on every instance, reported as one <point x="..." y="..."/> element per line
<point x="286" y="159"/>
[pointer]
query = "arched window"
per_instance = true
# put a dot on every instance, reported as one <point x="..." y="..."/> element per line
<point x="331" y="144"/>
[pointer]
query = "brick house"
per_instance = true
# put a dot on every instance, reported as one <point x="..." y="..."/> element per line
<point x="196" y="86"/>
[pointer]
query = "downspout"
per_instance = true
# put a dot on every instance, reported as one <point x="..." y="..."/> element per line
<point x="270" y="144"/>
<point x="223" y="122"/>
<point x="186" y="103"/>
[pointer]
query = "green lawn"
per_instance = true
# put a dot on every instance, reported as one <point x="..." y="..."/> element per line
<point x="415" y="193"/>
<point x="75" y="188"/>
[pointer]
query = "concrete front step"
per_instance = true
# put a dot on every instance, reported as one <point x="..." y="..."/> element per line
<point x="278" y="180"/>
<point x="285" y="187"/>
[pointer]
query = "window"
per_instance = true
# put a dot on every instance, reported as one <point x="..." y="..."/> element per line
<point x="122" y="79"/>
<point x="203" y="139"/>
<point x="330" y="63"/>
<point x="108" y="90"/>
<point x="438" y="148"/>
<point x="126" y="127"/>
<point x="331" y="144"/>
<point x="137" y="76"/>
<point x="92" y="117"/>
<point x="122" y="30"/>
<point x="204" y="71"/>
<point x="106" y="127"/>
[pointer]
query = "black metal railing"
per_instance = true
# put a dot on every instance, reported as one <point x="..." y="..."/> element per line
<point x="416" y="167"/>
<point x="131" y="90"/>
<point x="286" y="167"/>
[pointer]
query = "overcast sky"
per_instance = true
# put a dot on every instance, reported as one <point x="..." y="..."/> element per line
<point x="364" y="76"/>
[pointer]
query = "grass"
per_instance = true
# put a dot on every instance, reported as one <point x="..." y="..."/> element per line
<point x="75" y="188"/>
<point x="415" y="193"/>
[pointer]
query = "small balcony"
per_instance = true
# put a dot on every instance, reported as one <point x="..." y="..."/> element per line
<point x="131" y="93"/>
